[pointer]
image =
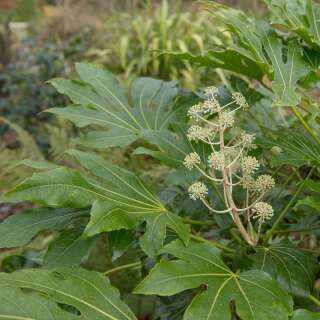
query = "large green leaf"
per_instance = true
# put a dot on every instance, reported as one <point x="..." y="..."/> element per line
<point x="99" y="100"/>
<point x="255" y="294"/>
<point x="87" y="291"/>
<point x="294" y="269"/>
<point x="19" y="305"/>
<point x="19" y="229"/>
<point x="288" y="69"/>
<point x="69" y="249"/>
<point x="226" y="59"/>
<point x="299" y="16"/>
<point x="257" y="51"/>
<point x="305" y="315"/>
<point x="119" y="198"/>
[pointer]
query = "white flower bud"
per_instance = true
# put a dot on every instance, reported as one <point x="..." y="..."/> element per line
<point x="263" y="211"/>
<point x="191" y="160"/>
<point x="197" y="190"/>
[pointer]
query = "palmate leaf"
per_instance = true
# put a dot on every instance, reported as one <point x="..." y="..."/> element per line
<point x="119" y="199"/>
<point x="226" y="59"/>
<point x="19" y="229"/>
<point x="297" y="148"/>
<point x="299" y="16"/>
<point x="16" y="304"/>
<point x="293" y="269"/>
<point x="257" y="50"/>
<point x="172" y="146"/>
<point x="69" y="249"/>
<point x="99" y="100"/>
<point x="89" y="292"/>
<point x="255" y="294"/>
<point x="287" y="70"/>
<point x="305" y="315"/>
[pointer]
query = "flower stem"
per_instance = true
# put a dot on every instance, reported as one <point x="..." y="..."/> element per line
<point x="286" y="209"/>
<point x="124" y="266"/>
<point x="314" y="300"/>
<point x="198" y="222"/>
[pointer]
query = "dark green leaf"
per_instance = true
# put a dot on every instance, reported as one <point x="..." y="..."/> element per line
<point x="294" y="269"/>
<point x="305" y="315"/>
<point x="19" y="229"/>
<point x="99" y="100"/>
<point x="69" y="249"/>
<point x="19" y="305"/>
<point x="119" y="242"/>
<point x="87" y="291"/>
<point x="301" y="17"/>
<point x="255" y="294"/>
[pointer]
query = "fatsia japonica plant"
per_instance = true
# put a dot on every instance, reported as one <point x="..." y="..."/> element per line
<point x="224" y="233"/>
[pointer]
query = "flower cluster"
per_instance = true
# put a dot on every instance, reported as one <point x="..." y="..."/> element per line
<point x="191" y="160"/>
<point x="262" y="211"/>
<point x="228" y="164"/>
<point x="198" y="190"/>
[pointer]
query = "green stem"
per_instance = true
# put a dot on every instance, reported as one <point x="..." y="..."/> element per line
<point x="124" y="266"/>
<point x="213" y="242"/>
<point x="305" y="125"/>
<point x="198" y="222"/>
<point x="314" y="299"/>
<point x="286" y="209"/>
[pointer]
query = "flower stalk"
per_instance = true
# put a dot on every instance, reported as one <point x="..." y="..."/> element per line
<point x="228" y="166"/>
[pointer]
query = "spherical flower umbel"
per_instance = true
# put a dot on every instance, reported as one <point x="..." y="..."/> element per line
<point x="246" y="138"/>
<point x="197" y="190"/>
<point x="240" y="100"/>
<point x="191" y="160"/>
<point x="249" y="165"/>
<point x="211" y="106"/>
<point x="226" y="119"/>
<point x="195" y="111"/>
<point x="197" y="132"/>
<point x="262" y="211"/>
<point x="211" y="91"/>
<point x="264" y="183"/>
<point x="216" y="160"/>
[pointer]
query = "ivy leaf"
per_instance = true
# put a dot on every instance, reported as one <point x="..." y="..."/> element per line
<point x="19" y="229"/>
<point x="305" y="315"/>
<point x="69" y="249"/>
<point x="16" y="304"/>
<point x="87" y="291"/>
<point x="255" y="294"/>
<point x="99" y="100"/>
<point x="293" y="269"/>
